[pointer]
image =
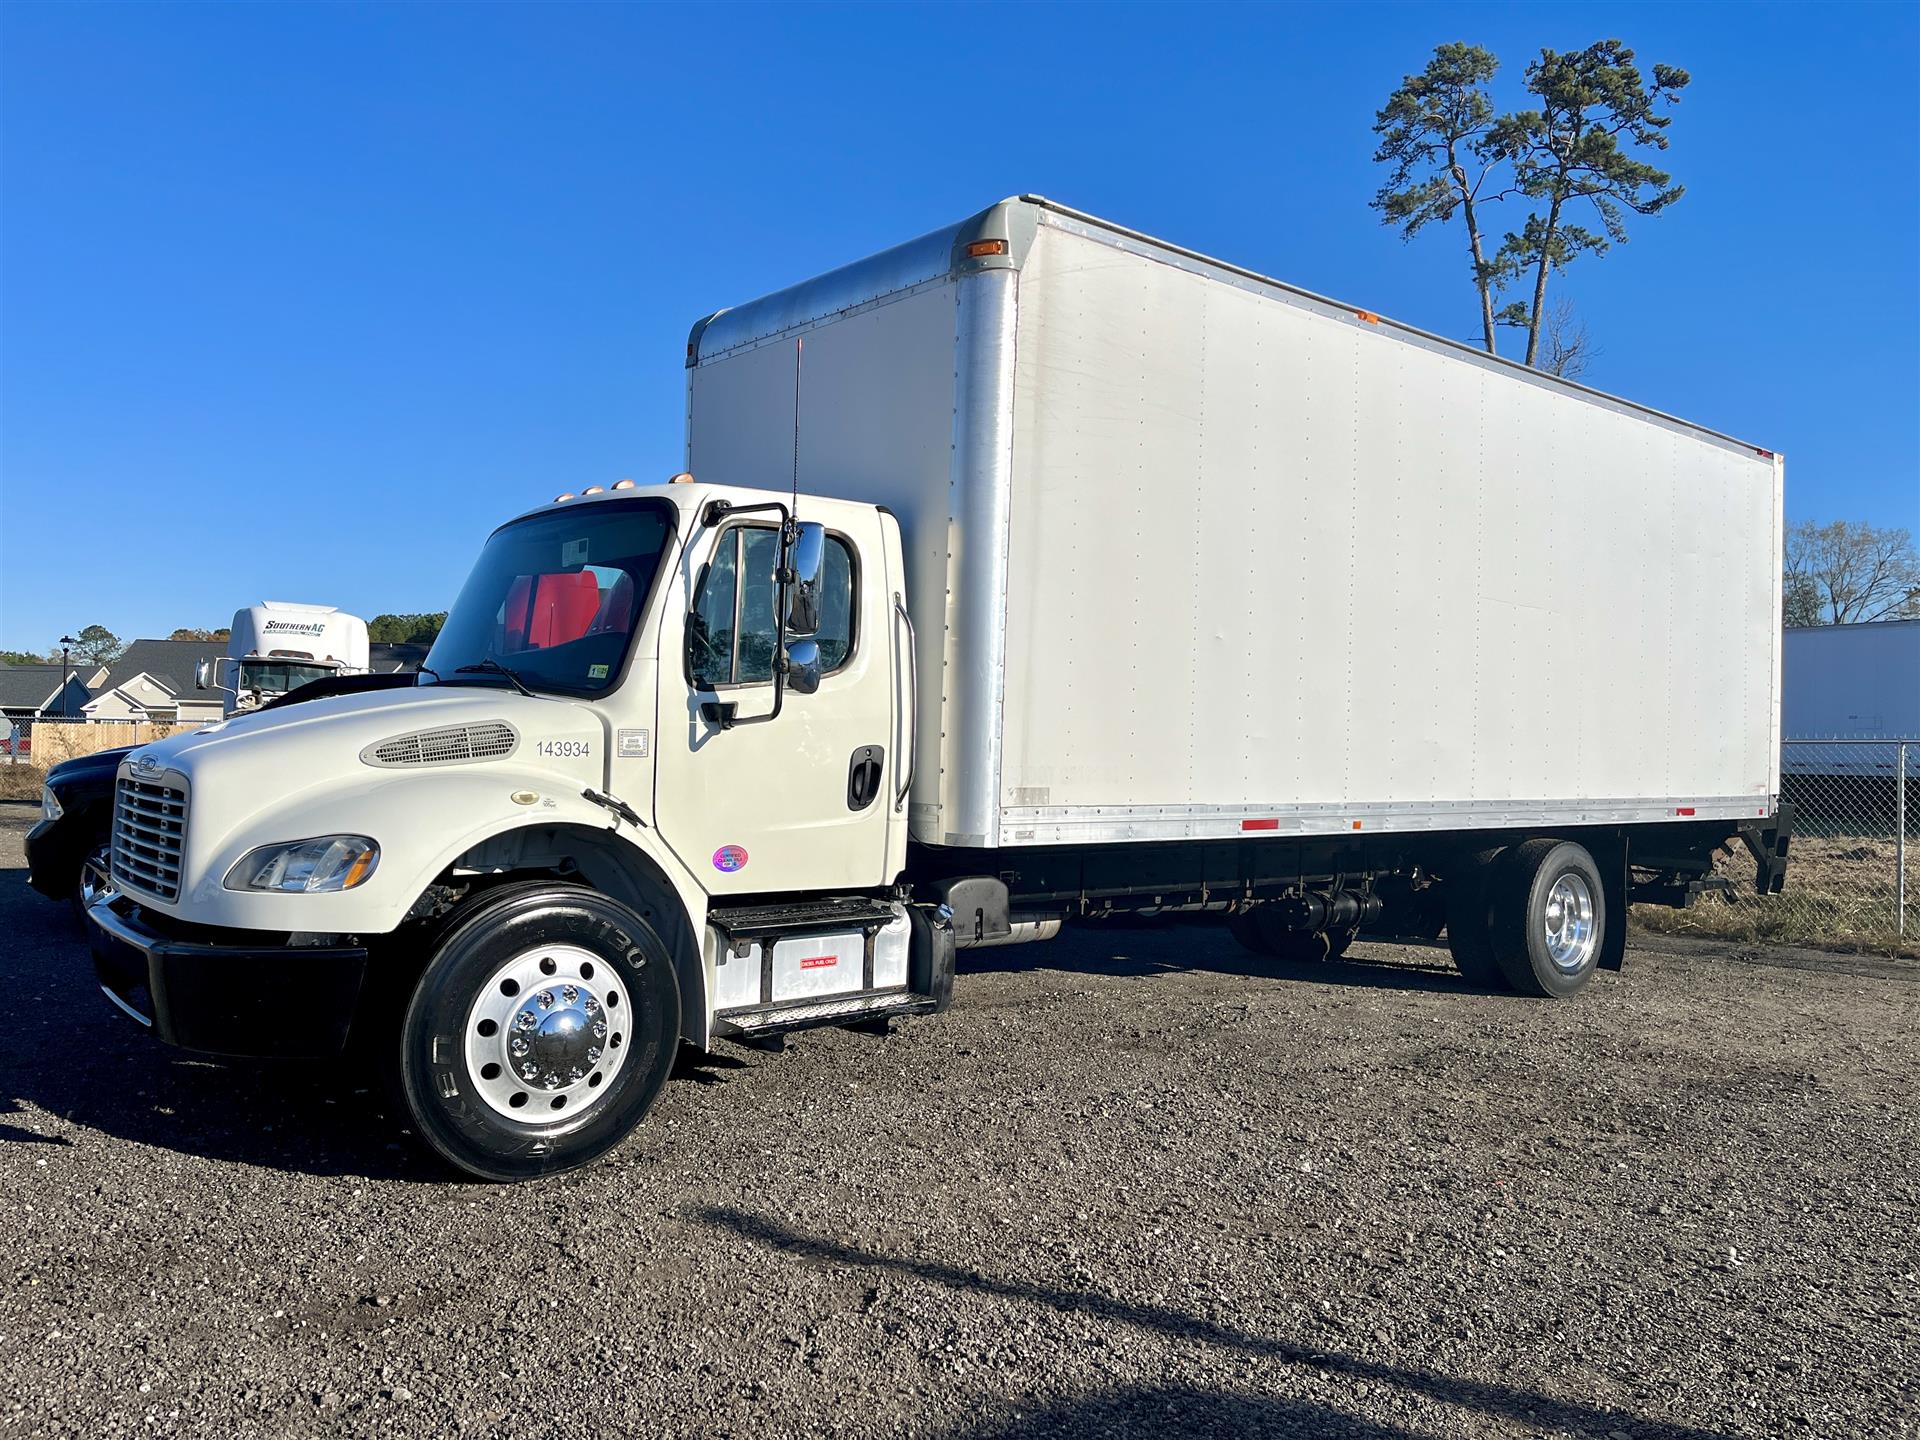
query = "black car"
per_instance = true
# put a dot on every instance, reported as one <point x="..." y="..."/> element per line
<point x="67" y="850"/>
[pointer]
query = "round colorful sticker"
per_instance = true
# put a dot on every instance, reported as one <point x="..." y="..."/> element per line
<point x="729" y="858"/>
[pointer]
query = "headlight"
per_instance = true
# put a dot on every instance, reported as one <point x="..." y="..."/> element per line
<point x="50" y="803"/>
<point x="326" y="862"/>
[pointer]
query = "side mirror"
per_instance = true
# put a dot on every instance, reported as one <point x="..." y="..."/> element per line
<point x="203" y="676"/>
<point x="806" y="558"/>
<point x="803" y="667"/>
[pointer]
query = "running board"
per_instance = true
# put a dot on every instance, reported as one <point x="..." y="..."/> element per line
<point x="843" y="912"/>
<point x="757" y="1021"/>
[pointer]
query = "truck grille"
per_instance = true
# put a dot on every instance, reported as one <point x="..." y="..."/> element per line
<point x="149" y="832"/>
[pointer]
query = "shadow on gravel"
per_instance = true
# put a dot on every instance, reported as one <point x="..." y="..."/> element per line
<point x="1186" y="1412"/>
<point x="1146" y="949"/>
<point x="1523" y="1406"/>
<point x="85" y="1062"/>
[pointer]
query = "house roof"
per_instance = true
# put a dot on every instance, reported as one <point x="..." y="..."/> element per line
<point x="28" y="687"/>
<point x="171" y="662"/>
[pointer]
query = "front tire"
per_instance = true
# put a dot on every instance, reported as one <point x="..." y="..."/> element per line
<point x="539" y="1033"/>
<point x="94" y="881"/>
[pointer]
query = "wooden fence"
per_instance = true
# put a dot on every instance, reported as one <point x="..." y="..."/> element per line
<point x="53" y="743"/>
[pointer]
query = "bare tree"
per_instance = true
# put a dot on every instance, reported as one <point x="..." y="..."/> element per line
<point x="1567" y="348"/>
<point x="1849" y="572"/>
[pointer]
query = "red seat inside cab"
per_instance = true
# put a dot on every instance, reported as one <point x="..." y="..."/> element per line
<point x="547" y="610"/>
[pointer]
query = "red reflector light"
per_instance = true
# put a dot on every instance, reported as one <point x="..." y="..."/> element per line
<point x="1259" y="824"/>
<point x="1683" y="809"/>
<point x="986" y="247"/>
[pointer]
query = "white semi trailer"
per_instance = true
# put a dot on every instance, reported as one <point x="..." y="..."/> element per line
<point x="278" y="646"/>
<point x="1035" y="571"/>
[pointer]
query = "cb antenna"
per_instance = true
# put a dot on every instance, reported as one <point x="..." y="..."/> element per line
<point x="799" y="349"/>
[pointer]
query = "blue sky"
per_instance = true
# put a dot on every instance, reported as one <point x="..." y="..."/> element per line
<point x="299" y="302"/>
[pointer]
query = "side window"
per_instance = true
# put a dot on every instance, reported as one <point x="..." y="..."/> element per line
<point x="836" y="606"/>
<point x="710" y="626"/>
<point x="732" y="631"/>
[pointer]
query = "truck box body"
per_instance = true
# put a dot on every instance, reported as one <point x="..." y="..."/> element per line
<point x="1195" y="554"/>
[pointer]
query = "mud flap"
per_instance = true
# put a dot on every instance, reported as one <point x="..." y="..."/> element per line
<point x="1612" y="864"/>
<point x="930" y="960"/>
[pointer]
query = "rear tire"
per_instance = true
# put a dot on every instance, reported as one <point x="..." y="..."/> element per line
<point x="540" y="1032"/>
<point x="1469" y="936"/>
<point x="1548" y="918"/>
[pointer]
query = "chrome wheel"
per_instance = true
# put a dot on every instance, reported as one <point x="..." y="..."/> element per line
<point x="95" y="881"/>
<point x="1571" y="933"/>
<point x="546" y="1034"/>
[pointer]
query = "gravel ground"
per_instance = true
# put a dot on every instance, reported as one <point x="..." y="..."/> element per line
<point x="1132" y="1184"/>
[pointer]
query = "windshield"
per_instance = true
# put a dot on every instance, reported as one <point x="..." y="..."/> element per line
<point x="276" y="677"/>
<point x="555" y="598"/>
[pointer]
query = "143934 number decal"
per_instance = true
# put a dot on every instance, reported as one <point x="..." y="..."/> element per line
<point x="565" y="749"/>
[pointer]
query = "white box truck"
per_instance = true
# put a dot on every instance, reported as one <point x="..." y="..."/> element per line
<point x="278" y="646"/>
<point x="1035" y="572"/>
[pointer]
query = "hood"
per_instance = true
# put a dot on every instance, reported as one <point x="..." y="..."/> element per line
<point x="350" y="722"/>
<point x="98" y="768"/>
<point x="381" y="764"/>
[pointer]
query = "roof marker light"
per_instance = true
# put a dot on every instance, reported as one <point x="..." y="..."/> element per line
<point x="594" y="490"/>
<point x="685" y="477"/>
<point x="1368" y="316"/>
<point x="623" y="484"/>
<point x="558" y="498"/>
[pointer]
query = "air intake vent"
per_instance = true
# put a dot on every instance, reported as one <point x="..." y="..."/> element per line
<point x="449" y="745"/>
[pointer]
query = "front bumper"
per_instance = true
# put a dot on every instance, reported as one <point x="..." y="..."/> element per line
<point x="261" y="999"/>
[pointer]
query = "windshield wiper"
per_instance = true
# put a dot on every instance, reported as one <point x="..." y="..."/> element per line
<point x="491" y="666"/>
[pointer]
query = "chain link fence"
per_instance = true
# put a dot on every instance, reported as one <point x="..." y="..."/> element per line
<point x="1853" y="873"/>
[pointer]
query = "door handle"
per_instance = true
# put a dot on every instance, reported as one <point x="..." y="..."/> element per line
<point x="863" y="776"/>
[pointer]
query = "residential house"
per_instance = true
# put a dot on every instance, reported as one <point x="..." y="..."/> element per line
<point x="153" y="682"/>
<point x="39" y="692"/>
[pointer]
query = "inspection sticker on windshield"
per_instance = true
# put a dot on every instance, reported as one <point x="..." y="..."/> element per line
<point x="596" y="672"/>
<point x="573" y="552"/>
<point x="634" y="744"/>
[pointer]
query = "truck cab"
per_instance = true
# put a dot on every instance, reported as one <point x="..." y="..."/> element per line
<point x="649" y="788"/>
<point x="277" y="646"/>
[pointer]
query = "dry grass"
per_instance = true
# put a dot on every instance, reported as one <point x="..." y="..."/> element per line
<point x="21" y="782"/>
<point x="1839" y="896"/>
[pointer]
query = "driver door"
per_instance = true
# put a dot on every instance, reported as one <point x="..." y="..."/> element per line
<point x="800" y="801"/>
